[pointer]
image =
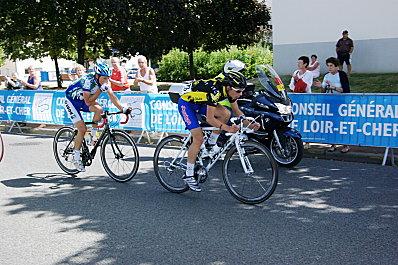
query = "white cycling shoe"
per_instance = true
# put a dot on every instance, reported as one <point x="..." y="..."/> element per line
<point x="79" y="165"/>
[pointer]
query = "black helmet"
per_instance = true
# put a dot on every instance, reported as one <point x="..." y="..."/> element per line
<point x="234" y="79"/>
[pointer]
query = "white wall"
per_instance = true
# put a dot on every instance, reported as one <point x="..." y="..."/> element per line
<point x="307" y="21"/>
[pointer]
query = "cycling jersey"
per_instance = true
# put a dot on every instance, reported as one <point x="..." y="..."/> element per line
<point x="74" y="102"/>
<point x="194" y="103"/>
<point x="85" y="83"/>
<point x="209" y="92"/>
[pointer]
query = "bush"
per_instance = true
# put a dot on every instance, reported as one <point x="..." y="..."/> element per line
<point x="174" y="65"/>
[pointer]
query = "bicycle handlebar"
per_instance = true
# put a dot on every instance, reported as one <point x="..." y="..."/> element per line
<point x="105" y="118"/>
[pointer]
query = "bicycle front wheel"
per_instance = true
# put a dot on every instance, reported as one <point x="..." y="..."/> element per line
<point x="63" y="146"/>
<point x="170" y="162"/>
<point x="119" y="156"/>
<point x="251" y="176"/>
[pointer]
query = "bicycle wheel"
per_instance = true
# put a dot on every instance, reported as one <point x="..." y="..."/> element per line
<point x="257" y="185"/>
<point x="119" y="156"/>
<point x="170" y="162"/>
<point x="63" y="146"/>
<point x="1" y="148"/>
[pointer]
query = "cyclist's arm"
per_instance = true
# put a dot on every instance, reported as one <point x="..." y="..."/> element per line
<point x="114" y="99"/>
<point x="235" y="109"/>
<point x="213" y="121"/>
<point x="90" y="99"/>
<point x="238" y="113"/>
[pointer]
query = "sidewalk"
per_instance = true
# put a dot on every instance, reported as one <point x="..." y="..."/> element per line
<point x="361" y="154"/>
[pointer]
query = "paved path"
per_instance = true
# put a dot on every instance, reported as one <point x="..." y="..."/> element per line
<point x="322" y="212"/>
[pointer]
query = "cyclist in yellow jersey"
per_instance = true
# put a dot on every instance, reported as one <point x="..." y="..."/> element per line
<point x="204" y="99"/>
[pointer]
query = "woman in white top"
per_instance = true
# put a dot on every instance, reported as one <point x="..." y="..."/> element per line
<point x="301" y="77"/>
<point x="314" y="66"/>
<point x="145" y="76"/>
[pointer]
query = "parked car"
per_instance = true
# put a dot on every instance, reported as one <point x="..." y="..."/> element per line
<point x="131" y="73"/>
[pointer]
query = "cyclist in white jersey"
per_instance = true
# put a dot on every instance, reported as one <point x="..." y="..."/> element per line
<point x="81" y="95"/>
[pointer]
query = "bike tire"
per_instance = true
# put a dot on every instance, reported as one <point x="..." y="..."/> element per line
<point x="297" y="149"/>
<point x="126" y="148"/>
<point x="61" y="139"/>
<point x="267" y="173"/>
<point x="1" y="148"/>
<point x="180" y="185"/>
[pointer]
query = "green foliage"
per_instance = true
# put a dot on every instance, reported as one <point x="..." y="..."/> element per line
<point x="2" y="57"/>
<point x="174" y="65"/>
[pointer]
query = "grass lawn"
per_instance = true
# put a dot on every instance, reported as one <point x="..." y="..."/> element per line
<point x="366" y="83"/>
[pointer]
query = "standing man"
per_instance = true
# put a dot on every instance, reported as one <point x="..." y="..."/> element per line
<point x="145" y="77"/>
<point x="118" y="78"/>
<point x="344" y="49"/>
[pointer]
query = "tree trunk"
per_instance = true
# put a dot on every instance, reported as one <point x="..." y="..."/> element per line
<point x="81" y="42"/>
<point x="57" y="73"/>
<point x="191" y="66"/>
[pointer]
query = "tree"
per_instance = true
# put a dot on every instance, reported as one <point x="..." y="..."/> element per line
<point x="216" y="24"/>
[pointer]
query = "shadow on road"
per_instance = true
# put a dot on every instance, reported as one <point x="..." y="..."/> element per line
<point x="315" y="213"/>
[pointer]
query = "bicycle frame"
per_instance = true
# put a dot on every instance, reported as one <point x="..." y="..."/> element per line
<point x="235" y="139"/>
<point x="88" y="156"/>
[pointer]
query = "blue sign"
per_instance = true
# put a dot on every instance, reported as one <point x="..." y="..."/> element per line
<point x="355" y="119"/>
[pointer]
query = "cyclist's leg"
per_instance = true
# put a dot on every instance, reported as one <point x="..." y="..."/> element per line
<point x="188" y="112"/>
<point x="97" y="109"/>
<point x="222" y="114"/>
<point x="74" y="114"/>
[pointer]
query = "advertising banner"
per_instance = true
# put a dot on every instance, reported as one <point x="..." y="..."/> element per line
<point x="357" y="119"/>
<point x="354" y="119"/>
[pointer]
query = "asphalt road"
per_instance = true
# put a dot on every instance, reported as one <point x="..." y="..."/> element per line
<point x="322" y="212"/>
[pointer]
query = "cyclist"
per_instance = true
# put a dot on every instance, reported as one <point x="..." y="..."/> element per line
<point x="204" y="99"/>
<point x="81" y="95"/>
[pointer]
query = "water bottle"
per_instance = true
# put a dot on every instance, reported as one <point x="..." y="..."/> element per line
<point x="88" y="138"/>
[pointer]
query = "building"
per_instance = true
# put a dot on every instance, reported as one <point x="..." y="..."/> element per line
<point x="314" y="26"/>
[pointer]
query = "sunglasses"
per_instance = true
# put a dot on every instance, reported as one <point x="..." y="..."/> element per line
<point x="238" y="90"/>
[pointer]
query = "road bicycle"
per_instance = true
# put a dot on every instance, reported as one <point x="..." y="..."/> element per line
<point x="119" y="153"/>
<point x="249" y="171"/>
<point x="1" y="148"/>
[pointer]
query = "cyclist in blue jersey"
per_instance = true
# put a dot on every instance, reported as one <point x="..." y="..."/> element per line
<point x="204" y="99"/>
<point x="81" y="95"/>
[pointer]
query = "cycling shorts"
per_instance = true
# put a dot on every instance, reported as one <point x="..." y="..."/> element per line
<point x="73" y="108"/>
<point x="190" y="111"/>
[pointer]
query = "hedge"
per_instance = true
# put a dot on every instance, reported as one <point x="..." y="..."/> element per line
<point x="174" y="65"/>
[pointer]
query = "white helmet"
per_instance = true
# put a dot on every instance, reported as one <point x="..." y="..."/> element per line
<point x="233" y="65"/>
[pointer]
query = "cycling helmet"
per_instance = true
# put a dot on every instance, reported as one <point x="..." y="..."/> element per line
<point x="102" y="69"/>
<point x="233" y="65"/>
<point x="234" y="79"/>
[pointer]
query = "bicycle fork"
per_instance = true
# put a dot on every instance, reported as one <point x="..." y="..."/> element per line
<point x="244" y="160"/>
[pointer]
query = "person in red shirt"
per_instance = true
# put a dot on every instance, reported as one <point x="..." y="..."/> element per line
<point x="118" y="78"/>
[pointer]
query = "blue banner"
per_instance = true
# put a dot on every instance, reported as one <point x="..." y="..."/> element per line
<point x="355" y="119"/>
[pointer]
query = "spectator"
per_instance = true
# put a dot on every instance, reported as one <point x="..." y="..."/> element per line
<point x="145" y="76"/>
<point x="79" y="72"/>
<point x="301" y="81"/>
<point x="33" y="82"/>
<point x="336" y="81"/>
<point x="314" y="66"/>
<point x="90" y="67"/>
<point x="118" y="78"/>
<point x="344" y="48"/>
<point x="123" y="63"/>
<point x="13" y="83"/>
